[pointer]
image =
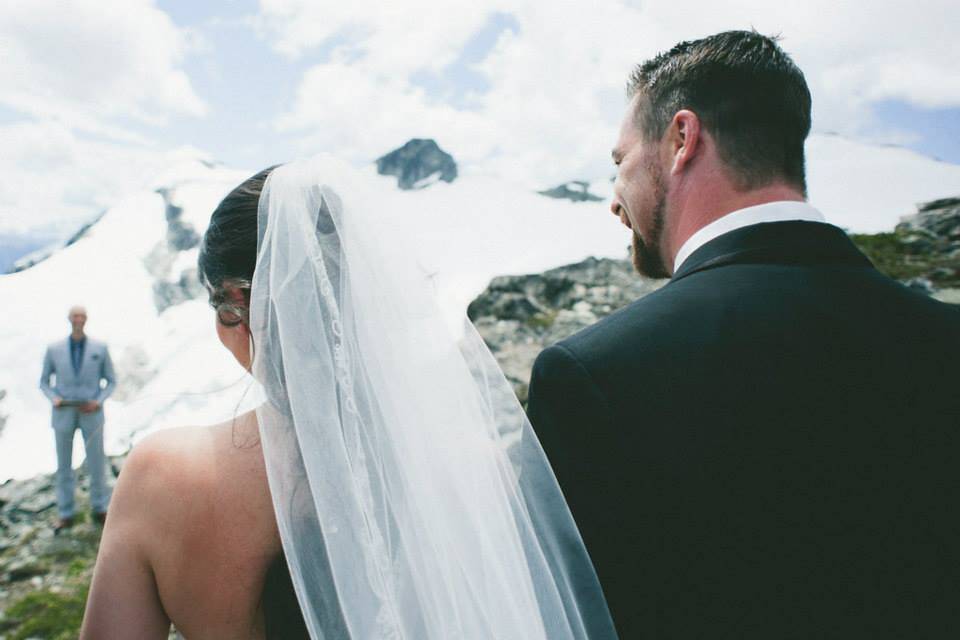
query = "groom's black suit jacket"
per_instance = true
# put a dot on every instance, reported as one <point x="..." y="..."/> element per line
<point x="766" y="447"/>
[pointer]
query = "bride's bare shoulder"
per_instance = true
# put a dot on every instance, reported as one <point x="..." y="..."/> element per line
<point x="189" y="530"/>
<point x="173" y="469"/>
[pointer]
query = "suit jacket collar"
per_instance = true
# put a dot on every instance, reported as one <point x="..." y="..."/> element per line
<point x="806" y="243"/>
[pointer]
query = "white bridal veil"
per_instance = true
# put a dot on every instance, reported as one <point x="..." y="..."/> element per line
<point x="413" y="499"/>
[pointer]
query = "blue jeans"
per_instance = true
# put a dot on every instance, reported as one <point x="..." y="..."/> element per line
<point x="66" y="421"/>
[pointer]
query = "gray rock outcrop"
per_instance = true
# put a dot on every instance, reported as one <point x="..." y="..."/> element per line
<point x="518" y="316"/>
<point x="418" y="164"/>
<point x="923" y="251"/>
<point x="34" y="561"/>
<point x="170" y="288"/>
<point x="180" y="235"/>
<point x="934" y="231"/>
<point x="45" y="577"/>
<point x="167" y="293"/>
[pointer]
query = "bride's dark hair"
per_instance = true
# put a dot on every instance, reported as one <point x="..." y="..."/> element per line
<point x="228" y="257"/>
<point x="228" y="253"/>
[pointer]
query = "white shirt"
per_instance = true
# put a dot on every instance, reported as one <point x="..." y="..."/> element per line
<point x="780" y="211"/>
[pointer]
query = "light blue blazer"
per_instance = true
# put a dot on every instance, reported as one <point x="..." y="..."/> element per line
<point x="82" y="386"/>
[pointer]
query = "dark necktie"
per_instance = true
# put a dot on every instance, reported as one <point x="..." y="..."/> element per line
<point x="76" y="354"/>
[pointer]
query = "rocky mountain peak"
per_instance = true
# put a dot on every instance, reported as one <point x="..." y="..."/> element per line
<point x="418" y="164"/>
<point x="575" y="190"/>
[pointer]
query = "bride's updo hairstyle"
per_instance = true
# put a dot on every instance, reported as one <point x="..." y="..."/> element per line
<point x="228" y="257"/>
<point x="228" y="253"/>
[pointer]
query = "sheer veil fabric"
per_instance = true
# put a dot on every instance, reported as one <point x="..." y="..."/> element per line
<point x="413" y="499"/>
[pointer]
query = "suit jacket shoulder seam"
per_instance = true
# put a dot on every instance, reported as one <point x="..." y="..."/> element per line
<point x="586" y="374"/>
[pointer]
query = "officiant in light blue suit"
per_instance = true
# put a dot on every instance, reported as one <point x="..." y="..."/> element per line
<point x="83" y="379"/>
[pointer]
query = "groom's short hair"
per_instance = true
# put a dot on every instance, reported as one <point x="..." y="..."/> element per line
<point x="746" y="91"/>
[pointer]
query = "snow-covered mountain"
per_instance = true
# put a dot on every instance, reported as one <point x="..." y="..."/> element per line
<point x="127" y="270"/>
<point x="868" y="188"/>
<point x="132" y="269"/>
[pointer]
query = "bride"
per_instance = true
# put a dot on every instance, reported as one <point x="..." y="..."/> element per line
<point x="389" y="487"/>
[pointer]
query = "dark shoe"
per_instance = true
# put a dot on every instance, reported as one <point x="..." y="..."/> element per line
<point x="61" y="524"/>
<point x="100" y="517"/>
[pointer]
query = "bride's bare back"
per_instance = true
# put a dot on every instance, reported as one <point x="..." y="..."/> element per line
<point x="189" y="538"/>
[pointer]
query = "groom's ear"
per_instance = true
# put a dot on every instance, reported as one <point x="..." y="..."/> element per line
<point x="684" y="140"/>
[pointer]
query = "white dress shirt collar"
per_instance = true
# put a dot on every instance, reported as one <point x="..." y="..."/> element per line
<point x="779" y="211"/>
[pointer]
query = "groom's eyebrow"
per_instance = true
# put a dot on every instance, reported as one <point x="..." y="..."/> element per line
<point x="615" y="154"/>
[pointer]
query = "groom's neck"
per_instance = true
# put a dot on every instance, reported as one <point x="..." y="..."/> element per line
<point x="695" y="207"/>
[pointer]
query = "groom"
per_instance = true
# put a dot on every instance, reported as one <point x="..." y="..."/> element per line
<point x="769" y="445"/>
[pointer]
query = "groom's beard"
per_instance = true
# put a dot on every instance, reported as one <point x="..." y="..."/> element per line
<point x="647" y="262"/>
<point x="647" y="257"/>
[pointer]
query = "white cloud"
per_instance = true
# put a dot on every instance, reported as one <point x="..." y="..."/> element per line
<point x="84" y="77"/>
<point x="81" y="74"/>
<point x="363" y="106"/>
<point x="556" y="85"/>
<point x="87" y="64"/>
<point x="53" y="178"/>
<point x="391" y="37"/>
<point x="362" y="115"/>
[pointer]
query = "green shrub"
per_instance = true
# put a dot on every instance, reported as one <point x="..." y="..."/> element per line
<point x="542" y="320"/>
<point x="45" y="614"/>
<point x="77" y="567"/>
<point x="891" y="255"/>
<point x="888" y="254"/>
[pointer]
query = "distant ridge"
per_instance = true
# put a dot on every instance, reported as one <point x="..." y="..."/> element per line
<point x="41" y="254"/>
<point x="575" y="190"/>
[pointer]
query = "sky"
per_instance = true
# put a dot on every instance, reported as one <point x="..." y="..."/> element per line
<point x="97" y="98"/>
